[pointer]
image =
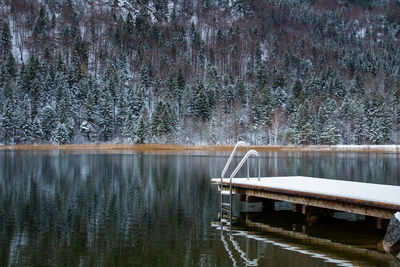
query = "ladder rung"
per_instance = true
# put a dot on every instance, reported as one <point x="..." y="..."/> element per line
<point x="225" y="204"/>
<point x="227" y="193"/>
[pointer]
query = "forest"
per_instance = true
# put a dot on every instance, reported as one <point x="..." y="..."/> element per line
<point x="200" y="71"/>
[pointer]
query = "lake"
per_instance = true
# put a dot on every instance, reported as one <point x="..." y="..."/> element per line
<point x="122" y="208"/>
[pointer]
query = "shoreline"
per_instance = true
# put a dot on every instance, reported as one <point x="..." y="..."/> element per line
<point x="176" y="147"/>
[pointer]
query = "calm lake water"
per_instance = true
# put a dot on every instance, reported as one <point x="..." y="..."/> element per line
<point x="128" y="209"/>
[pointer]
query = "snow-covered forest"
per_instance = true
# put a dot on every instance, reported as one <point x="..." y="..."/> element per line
<point x="200" y="71"/>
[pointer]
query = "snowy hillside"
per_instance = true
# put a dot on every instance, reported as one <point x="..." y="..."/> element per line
<point x="200" y="71"/>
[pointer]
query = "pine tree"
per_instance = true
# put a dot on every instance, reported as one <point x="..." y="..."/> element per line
<point x="36" y="130"/>
<point x="61" y="134"/>
<point x="241" y="91"/>
<point x="88" y="126"/>
<point x="213" y="128"/>
<point x="212" y="85"/>
<point x="8" y="123"/>
<point x="199" y="104"/>
<point x="5" y="42"/>
<point x="261" y="109"/>
<point x="49" y="121"/>
<point x="163" y="120"/>
<point x="64" y="127"/>
<point x="360" y="123"/>
<point x="128" y="132"/>
<point x="141" y="131"/>
<point x="129" y="23"/>
<point x="9" y="70"/>
<point x="39" y="27"/>
<point x="180" y="89"/>
<point x="136" y="102"/>
<point x="305" y="123"/>
<point x="243" y="7"/>
<point x="26" y="124"/>
<point x="329" y="132"/>
<point x="107" y="118"/>
<point x="89" y="108"/>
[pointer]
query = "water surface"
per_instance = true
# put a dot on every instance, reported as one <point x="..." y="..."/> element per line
<point x="66" y="208"/>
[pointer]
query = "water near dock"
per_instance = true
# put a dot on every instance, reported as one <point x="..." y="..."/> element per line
<point x="105" y="209"/>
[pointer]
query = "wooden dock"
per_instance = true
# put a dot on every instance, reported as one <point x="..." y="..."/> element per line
<point x="311" y="194"/>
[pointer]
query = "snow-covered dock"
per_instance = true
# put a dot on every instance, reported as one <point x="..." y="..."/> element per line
<point x="375" y="200"/>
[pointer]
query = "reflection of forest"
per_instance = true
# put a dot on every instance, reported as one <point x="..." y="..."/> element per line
<point x="102" y="209"/>
<point x="61" y="208"/>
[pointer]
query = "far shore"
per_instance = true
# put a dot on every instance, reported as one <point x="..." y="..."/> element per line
<point x="176" y="148"/>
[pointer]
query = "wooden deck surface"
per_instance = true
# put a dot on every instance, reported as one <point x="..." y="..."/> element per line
<point x="356" y="197"/>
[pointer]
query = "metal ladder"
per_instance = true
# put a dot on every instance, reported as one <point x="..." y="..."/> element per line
<point x="227" y="206"/>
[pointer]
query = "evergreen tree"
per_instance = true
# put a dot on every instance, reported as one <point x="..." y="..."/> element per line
<point x="8" y="123"/>
<point x="163" y="120"/>
<point x="141" y="132"/>
<point x="136" y="102"/>
<point x="243" y="7"/>
<point x="199" y="104"/>
<point x="39" y="27"/>
<point x="213" y="129"/>
<point x="9" y="70"/>
<point x="49" y="121"/>
<point x="5" y="42"/>
<point x="64" y="128"/>
<point x="61" y="134"/>
<point x="129" y="128"/>
<point x="329" y="132"/>
<point x="26" y="124"/>
<point x="261" y="109"/>
<point x="107" y="118"/>
<point x="89" y="108"/>
<point x="37" y="133"/>
<point x="241" y="91"/>
<point x="212" y="85"/>
<point x="305" y="124"/>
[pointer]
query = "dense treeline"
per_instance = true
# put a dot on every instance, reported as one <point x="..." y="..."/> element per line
<point x="200" y="71"/>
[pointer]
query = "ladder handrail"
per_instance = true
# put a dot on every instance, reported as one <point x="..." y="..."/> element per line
<point x="240" y="143"/>
<point x="244" y="159"/>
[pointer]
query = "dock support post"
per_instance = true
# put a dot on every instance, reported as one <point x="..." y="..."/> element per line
<point x="267" y="204"/>
<point x="297" y="208"/>
<point x="382" y="223"/>
<point x="310" y="210"/>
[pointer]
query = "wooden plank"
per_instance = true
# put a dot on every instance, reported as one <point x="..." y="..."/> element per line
<point x="352" y="206"/>
<point x="376" y="195"/>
